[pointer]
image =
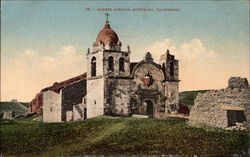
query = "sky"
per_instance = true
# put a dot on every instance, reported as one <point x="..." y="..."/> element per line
<point x="43" y="42"/>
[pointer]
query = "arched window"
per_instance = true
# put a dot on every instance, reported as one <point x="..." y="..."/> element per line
<point x="172" y="69"/>
<point x="93" y="66"/>
<point x="111" y="63"/>
<point x="121" y="64"/>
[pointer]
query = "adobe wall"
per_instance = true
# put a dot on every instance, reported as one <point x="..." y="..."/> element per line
<point x="210" y="108"/>
<point x="51" y="106"/>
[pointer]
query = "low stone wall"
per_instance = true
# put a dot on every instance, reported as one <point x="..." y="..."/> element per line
<point x="211" y="107"/>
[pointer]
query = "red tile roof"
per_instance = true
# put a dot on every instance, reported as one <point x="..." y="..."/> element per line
<point x="56" y="87"/>
<point x="36" y="104"/>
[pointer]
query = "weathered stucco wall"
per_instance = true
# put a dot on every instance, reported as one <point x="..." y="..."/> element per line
<point x="51" y="106"/>
<point x="211" y="108"/>
<point x="95" y="97"/>
<point x="95" y="85"/>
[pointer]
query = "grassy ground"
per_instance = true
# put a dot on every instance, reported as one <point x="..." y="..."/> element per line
<point x="187" y="97"/>
<point x="111" y="135"/>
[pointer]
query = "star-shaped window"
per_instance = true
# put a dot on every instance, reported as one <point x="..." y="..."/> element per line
<point x="148" y="80"/>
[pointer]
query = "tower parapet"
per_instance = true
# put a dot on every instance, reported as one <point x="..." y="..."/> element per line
<point x="170" y="66"/>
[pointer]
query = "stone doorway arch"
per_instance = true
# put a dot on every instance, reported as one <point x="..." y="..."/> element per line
<point x="149" y="108"/>
<point x="133" y="106"/>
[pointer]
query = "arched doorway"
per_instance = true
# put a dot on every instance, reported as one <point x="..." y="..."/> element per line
<point x="150" y="108"/>
<point x="133" y="106"/>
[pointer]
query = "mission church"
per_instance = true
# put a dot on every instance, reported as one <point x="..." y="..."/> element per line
<point x="113" y="85"/>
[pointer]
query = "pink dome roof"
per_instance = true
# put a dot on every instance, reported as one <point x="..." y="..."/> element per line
<point x="107" y="35"/>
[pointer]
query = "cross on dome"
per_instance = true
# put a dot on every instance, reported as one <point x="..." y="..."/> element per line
<point x="107" y="35"/>
<point x="107" y="18"/>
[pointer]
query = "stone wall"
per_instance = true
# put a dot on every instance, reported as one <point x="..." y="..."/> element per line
<point x="117" y="97"/>
<point x="128" y="96"/>
<point x="122" y="93"/>
<point x="213" y="108"/>
<point x="153" y="92"/>
<point x="130" y="92"/>
<point x="172" y="97"/>
<point x="237" y="82"/>
<point x="116" y="56"/>
<point x="51" y="106"/>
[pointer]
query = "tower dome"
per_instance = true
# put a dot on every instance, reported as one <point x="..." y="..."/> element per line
<point x="107" y="35"/>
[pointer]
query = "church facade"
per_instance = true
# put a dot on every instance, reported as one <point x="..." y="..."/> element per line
<point x="113" y="85"/>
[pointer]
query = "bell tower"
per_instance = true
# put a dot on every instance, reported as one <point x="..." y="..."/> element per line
<point x="106" y="60"/>
<point x="170" y="67"/>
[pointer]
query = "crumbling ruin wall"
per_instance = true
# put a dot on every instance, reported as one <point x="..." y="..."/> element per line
<point x="211" y="108"/>
<point x="237" y="82"/>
